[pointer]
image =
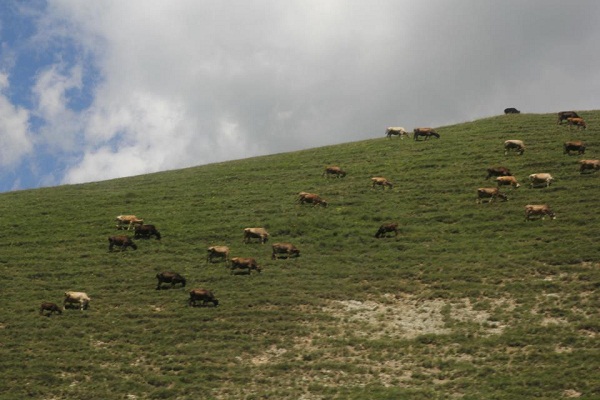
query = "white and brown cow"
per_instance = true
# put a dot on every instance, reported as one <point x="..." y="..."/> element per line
<point x="507" y="181"/>
<point x="396" y="131"/>
<point x="540" y="180"/>
<point x="542" y="210"/>
<point x="490" y="194"/>
<point x="80" y="298"/>
<point x="284" y="250"/>
<point x="256" y="233"/>
<point x="514" y="144"/>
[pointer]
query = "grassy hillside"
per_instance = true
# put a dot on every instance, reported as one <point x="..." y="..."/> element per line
<point x="468" y="301"/>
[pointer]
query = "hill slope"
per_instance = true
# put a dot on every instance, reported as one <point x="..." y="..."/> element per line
<point x="469" y="300"/>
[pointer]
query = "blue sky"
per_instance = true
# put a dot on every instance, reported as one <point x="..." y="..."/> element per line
<point x="94" y="90"/>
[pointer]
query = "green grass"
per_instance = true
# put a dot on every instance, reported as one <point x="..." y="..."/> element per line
<point x="469" y="301"/>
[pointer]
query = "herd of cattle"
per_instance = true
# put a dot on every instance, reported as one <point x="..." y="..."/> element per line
<point x="246" y="265"/>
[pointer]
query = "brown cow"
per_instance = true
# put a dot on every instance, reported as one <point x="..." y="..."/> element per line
<point x="498" y="171"/>
<point x="385" y="228"/>
<point x="513" y="144"/>
<point x="564" y="115"/>
<point x="381" y="181"/>
<point x="128" y="221"/>
<point x="284" y="250"/>
<point x="169" y="277"/>
<point x="578" y="122"/>
<point x="427" y="132"/>
<point x="50" y="307"/>
<point x="311" y="198"/>
<point x="538" y="209"/>
<point x="490" y="193"/>
<point x="121" y="241"/>
<point x="507" y="181"/>
<point x="204" y="295"/>
<point x="247" y="264"/>
<point x="146" y="231"/>
<point x="585" y="165"/>
<point x="221" y="252"/>
<point x="574" y="145"/>
<point x="335" y="171"/>
<point x="256" y="233"/>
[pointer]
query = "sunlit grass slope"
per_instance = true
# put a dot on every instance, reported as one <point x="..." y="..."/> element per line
<point x="469" y="301"/>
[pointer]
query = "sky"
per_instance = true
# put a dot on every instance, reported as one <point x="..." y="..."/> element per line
<point x="96" y="90"/>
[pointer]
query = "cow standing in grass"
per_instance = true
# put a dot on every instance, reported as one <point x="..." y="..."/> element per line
<point x="386" y="228"/>
<point x="203" y="295"/>
<point x="50" y="307"/>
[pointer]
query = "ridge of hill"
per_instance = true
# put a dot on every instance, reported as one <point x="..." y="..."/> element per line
<point x="468" y="301"/>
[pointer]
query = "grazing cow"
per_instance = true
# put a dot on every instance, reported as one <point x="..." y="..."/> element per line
<point x="427" y="132"/>
<point x="516" y="145"/>
<point x="311" y="198"/>
<point x="385" y="228"/>
<point x="507" y="181"/>
<point x="490" y="193"/>
<point x="564" y="115"/>
<point x="145" y="231"/>
<point x="50" y="307"/>
<point x="256" y="233"/>
<point x="574" y="145"/>
<point x="284" y="250"/>
<point x="585" y="165"/>
<point x="542" y="179"/>
<point x="206" y="296"/>
<point x="247" y="264"/>
<point x="381" y="181"/>
<point x="335" y="171"/>
<point x="511" y="110"/>
<point x="121" y="241"/>
<point x="77" y="297"/>
<point x="219" y="252"/>
<point x="538" y="209"/>
<point x="578" y="122"/>
<point x="128" y="221"/>
<point x="169" y="277"/>
<point x="396" y="131"/>
<point x="498" y="171"/>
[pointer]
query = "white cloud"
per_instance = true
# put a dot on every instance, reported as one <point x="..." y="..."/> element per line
<point x="15" y="139"/>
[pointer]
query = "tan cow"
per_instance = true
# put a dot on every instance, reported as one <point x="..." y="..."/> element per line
<point x="335" y="171"/>
<point x="217" y="252"/>
<point x="128" y="221"/>
<point x="284" y="250"/>
<point x="574" y="145"/>
<point x="578" y="122"/>
<point x="538" y="210"/>
<point x="542" y="179"/>
<point x="427" y="132"/>
<point x="256" y="233"/>
<point x="311" y="198"/>
<point x="381" y="181"/>
<point x="513" y="144"/>
<point x="489" y="193"/>
<point x="586" y="165"/>
<point x="77" y="297"/>
<point x="507" y="181"/>
<point x="247" y="264"/>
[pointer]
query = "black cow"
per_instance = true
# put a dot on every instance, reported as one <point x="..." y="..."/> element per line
<point x="169" y="277"/>
<point x="50" y="307"/>
<point x="145" y="231"/>
<point x="564" y="115"/>
<point x="385" y="228"/>
<point x="511" y="110"/>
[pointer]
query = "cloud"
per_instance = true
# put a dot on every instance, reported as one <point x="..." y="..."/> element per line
<point x="191" y="82"/>
<point x="15" y="138"/>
